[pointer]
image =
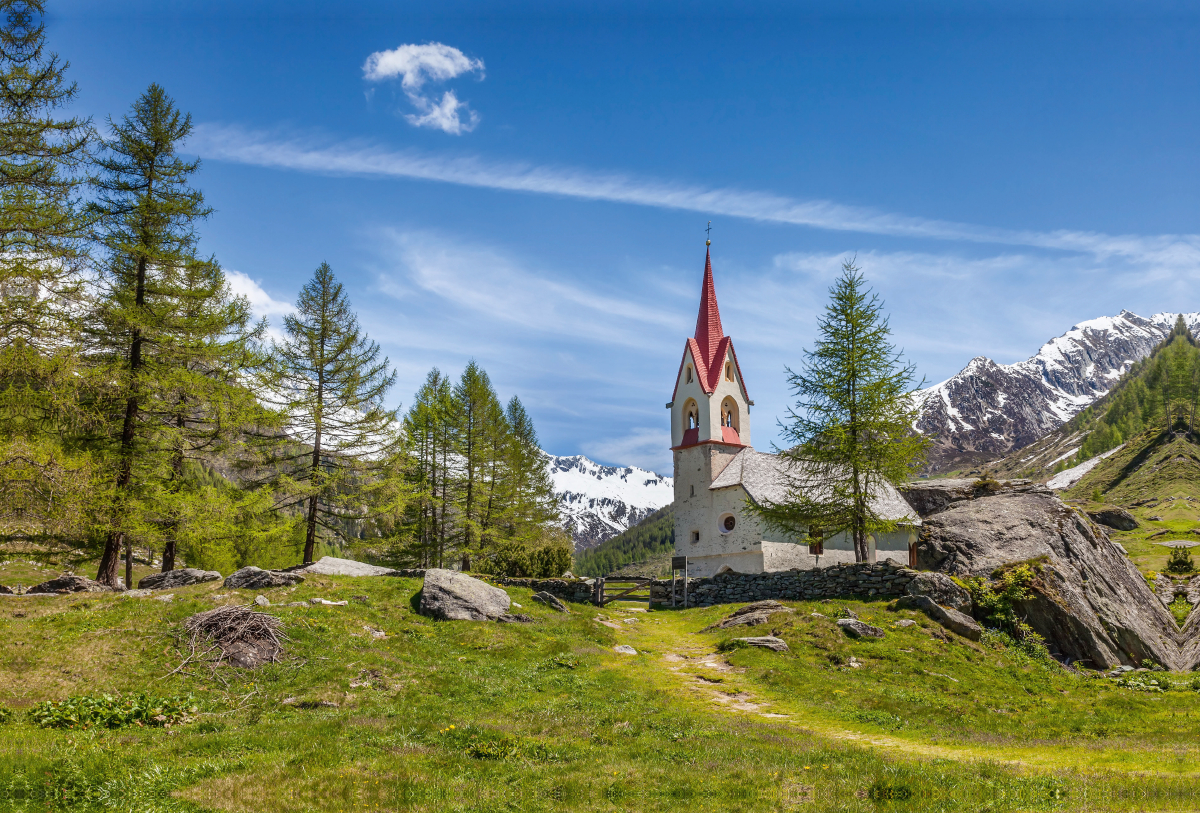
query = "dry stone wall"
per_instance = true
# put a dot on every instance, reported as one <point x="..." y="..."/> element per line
<point x="863" y="580"/>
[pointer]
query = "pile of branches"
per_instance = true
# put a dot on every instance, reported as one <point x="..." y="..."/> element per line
<point x="235" y="634"/>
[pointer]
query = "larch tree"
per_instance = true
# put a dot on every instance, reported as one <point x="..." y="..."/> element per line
<point x="852" y="423"/>
<point x="44" y="487"/>
<point x="146" y="215"/>
<point x="330" y="384"/>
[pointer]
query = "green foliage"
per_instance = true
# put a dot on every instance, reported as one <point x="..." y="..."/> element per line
<point x="1145" y="682"/>
<point x="653" y="536"/>
<point x="109" y="711"/>
<point x="6" y="715"/>
<point x="1030" y="645"/>
<point x="481" y="491"/>
<point x="851" y="424"/>
<point x="995" y="600"/>
<point x="1180" y="561"/>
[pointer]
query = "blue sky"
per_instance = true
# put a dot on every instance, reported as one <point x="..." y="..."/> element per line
<point x="527" y="184"/>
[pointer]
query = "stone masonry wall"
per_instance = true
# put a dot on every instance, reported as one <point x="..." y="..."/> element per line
<point x="883" y="579"/>
<point x="867" y="580"/>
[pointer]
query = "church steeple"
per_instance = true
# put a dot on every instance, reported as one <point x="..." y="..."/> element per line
<point x="710" y="403"/>
<point x="708" y="320"/>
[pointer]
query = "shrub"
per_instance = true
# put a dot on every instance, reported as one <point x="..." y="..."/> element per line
<point x="107" y="711"/>
<point x="6" y="715"/>
<point x="995" y="600"/>
<point x="1180" y="561"/>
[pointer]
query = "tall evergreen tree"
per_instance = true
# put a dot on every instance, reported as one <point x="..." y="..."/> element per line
<point x="429" y="426"/>
<point x="43" y="251"/>
<point x="147" y="215"/>
<point x="852" y="422"/>
<point x="330" y="385"/>
<point x="479" y="430"/>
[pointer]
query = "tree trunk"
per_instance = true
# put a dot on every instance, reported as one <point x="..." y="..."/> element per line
<point x="128" y="563"/>
<point x="107" y="572"/>
<point x="168" y="557"/>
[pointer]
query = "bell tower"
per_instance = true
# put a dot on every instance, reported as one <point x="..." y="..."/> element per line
<point x="710" y="418"/>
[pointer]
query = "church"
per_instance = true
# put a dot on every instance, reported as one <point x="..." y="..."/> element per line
<point x="717" y="471"/>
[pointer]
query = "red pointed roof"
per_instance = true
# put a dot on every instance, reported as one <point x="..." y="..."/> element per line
<point x="710" y="344"/>
<point x="708" y="320"/>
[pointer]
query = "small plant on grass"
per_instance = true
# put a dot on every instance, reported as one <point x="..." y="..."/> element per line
<point x="108" y="711"/>
<point x="6" y="715"/>
<point x="1180" y="561"/>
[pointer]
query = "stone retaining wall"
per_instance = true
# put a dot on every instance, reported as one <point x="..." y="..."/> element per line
<point x="863" y="580"/>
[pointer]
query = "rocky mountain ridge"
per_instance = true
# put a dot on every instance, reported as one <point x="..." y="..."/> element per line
<point x="598" y="502"/>
<point x="989" y="410"/>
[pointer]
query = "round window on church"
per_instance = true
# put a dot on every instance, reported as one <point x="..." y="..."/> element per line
<point x="727" y="523"/>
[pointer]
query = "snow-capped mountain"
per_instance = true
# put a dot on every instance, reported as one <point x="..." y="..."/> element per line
<point x="990" y="409"/>
<point x="598" y="502"/>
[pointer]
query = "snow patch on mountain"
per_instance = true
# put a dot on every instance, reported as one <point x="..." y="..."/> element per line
<point x="989" y="410"/>
<point x="598" y="502"/>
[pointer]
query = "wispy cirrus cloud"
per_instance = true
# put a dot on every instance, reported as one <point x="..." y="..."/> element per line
<point x="416" y="65"/>
<point x="1171" y="253"/>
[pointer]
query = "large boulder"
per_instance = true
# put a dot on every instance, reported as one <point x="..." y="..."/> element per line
<point x="1116" y="518"/>
<point x="550" y="600"/>
<point x="859" y="629"/>
<point x="765" y="642"/>
<point x="5" y="591"/>
<point x="753" y="614"/>
<point x="948" y="617"/>
<point x="185" y="577"/>
<point x="1088" y="600"/>
<point x="68" y="583"/>
<point x="253" y="578"/>
<point x="941" y="589"/>
<point x="332" y="566"/>
<point x="448" y="595"/>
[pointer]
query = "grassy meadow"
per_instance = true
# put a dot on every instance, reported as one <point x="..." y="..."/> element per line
<point x="376" y="708"/>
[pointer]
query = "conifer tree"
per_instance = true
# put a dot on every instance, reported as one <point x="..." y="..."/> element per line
<point x="429" y="427"/>
<point x="852" y="422"/>
<point x="146" y="214"/>
<point x="479" y="432"/>
<point x="330" y="384"/>
<point x="44" y="487"/>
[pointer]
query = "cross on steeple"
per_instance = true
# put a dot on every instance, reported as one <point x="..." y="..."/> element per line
<point x="708" y="234"/>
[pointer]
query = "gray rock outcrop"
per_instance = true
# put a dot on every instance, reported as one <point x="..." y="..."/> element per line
<point x="751" y="615"/>
<point x="68" y="583"/>
<point x="859" y="629"/>
<point x="253" y="578"/>
<point x="550" y="600"/>
<point x="448" y="595"/>
<point x="941" y="589"/>
<point x="1116" y="518"/>
<point x="948" y="617"/>
<point x="4" y="591"/>
<point x="765" y="642"/>
<point x="332" y="566"/>
<point x="172" y="579"/>
<point x="1088" y="600"/>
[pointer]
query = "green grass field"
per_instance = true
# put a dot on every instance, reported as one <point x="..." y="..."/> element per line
<point x="544" y="716"/>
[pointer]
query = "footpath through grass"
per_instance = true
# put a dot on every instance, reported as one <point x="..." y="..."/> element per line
<point x="376" y="708"/>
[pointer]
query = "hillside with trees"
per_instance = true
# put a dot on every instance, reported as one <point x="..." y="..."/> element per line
<point x="143" y="408"/>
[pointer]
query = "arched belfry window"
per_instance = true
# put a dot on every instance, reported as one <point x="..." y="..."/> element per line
<point x="691" y="415"/>
<point x="729" y="414"/>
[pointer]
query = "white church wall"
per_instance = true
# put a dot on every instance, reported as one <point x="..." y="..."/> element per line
<point x="695" y="504"/>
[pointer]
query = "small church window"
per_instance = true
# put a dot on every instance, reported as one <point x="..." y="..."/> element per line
<point x="689" y="374"/>
<point x="695" y="537"/>
<point x="728" y="523"/>
<point x="693" y="494"/>
<point x="729" y="371"/>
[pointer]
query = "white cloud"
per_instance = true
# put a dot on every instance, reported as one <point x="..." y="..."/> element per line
<point x="262" y="304"/>
<point x="643" y="447"/>
<point x="495" y="287"/>
<point x="1166" y="255"/>
<point x="415" y="65"/>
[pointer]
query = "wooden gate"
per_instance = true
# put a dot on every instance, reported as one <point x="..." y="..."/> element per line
<point x="621" y="588"/>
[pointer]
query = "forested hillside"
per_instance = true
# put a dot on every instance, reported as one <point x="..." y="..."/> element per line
<point x="652" y="537"/>
<point x="143" y="407"/>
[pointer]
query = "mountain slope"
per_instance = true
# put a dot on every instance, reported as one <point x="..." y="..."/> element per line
<point x="651" y="541"/>
<point x="989" y="410"/>
<point x="598" y="502"/>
